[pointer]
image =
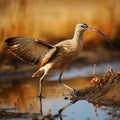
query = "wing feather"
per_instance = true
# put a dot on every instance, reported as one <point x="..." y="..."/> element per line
<point x="49" y="56"/>
<point x="28" y="49"/>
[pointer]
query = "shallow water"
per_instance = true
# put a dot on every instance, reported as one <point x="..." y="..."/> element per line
<point x="22" y="95"/>
<point x="87" y="70"/>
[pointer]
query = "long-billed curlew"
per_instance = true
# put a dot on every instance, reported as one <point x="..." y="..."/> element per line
<point x="49" y="57"/>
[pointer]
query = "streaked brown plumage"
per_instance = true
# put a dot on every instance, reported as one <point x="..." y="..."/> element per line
<point x="49" y="57"/>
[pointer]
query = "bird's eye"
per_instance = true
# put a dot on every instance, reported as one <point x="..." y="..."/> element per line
<point x="82" y="26"/>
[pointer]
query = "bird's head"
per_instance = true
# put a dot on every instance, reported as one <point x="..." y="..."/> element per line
<point x="81" y="27"/>
<point x="84" y="27"/>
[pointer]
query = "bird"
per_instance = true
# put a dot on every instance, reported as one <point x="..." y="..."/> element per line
<point x="50" y="57"/>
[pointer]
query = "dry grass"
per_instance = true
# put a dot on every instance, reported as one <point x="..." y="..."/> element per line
<point x="53" y="20"/>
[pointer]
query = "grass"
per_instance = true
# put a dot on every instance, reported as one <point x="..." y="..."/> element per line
<point x="54" y="21"/>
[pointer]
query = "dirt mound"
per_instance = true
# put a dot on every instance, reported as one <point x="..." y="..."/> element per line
<point x="105" y="90"/>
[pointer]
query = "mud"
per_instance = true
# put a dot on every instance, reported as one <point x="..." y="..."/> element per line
<point x="106" y="90"/>
<point x="25" y="116"/>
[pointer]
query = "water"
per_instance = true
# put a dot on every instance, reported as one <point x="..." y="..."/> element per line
<point x="21" y="96"/>
<point x="87" y="70"/>
<point x="81" y="110"/>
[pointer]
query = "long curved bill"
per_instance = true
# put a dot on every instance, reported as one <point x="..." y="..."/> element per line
<point x="102" y="34"/>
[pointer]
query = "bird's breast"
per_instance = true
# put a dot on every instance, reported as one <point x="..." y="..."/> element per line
<point x="65" y="55"/>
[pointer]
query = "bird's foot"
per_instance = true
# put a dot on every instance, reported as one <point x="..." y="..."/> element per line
<point x="76" y="92"/>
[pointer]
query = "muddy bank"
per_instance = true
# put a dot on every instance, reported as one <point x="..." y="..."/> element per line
<point x="25" y="116"/>
<point x="105" y="90"/>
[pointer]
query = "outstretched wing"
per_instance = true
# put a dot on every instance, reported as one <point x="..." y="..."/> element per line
<point x="28" y="49"/>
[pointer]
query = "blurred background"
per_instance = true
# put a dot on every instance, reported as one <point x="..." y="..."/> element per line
<point x="53" y="21"/>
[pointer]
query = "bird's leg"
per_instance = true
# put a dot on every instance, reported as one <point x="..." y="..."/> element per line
<point x="40" y="91"/>
<point x="64" y="85"/>
<point x="45" y="68"/>
<point x="40" y="88"/>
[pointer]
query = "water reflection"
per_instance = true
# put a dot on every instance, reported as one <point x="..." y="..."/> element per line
<point x="24" y="93"/>
<point x="21" y="97"/>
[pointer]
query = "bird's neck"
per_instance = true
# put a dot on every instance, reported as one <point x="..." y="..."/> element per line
<point x="78" y="36"/>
